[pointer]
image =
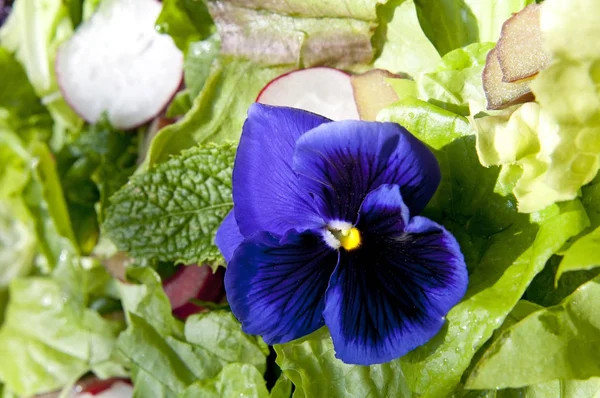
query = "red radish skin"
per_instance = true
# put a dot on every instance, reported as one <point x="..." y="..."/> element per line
<point x="325" y="91"/>
<point x="117" y="63"/>
<point x="193" y="282"/>
<point x="98" y="386"/>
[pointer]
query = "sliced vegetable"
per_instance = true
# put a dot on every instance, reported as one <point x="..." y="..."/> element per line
<point x="116" y="62"/>
<point x="325" y="91"/>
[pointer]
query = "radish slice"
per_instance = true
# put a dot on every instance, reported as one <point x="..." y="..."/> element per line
<point x="193" y="282"/>
<point x="118" y="63"/>
<point x="324" y="91"/>
<point x="106" y="388"/>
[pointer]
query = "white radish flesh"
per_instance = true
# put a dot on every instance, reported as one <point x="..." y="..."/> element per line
<point x="324" y="91"/>
<point x="116" y="62"/>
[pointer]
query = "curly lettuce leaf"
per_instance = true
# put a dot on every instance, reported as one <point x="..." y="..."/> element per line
<point x="166" y="356"/>
<point x="554" y="343"/>
<point x="456" y="82"/>
<point x="555" y="144"/>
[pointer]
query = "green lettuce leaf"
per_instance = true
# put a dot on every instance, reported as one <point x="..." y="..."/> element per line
<point x="166" y="356"/>
<point x="299" y="34"/>
<point x="451" y="24"/>
<point x="17" y="241"/>
<point x="34" y="34"/>
<point x="584" y="254"/>
<point x="554" y="343"/>
<point x="282" y="388"/>
<point x="218" y="112"/>
<point x="544" y="291"/>
<point x="503" y="249"/>
<point x="235" y="380"/>
<point x="198" y="62"/>
<point x="45" y="201"/>
<point x="437" y="126"/>
<point x="405" y="47"/>
<point x="456" y="82"/>
<point x="64" y="339"/>
<point x="186" y="21"/>
<point x="172" y="212"/>
<point x="311" y="365"/>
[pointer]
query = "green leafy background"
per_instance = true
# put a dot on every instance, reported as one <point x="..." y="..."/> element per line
<point x="72" y="195"/>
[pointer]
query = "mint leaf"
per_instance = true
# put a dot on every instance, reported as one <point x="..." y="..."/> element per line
<point x="172" y="212"/>
<point x="555" y="343"/>
<point x="311" y="365"/>
<point x="235" y="380"/>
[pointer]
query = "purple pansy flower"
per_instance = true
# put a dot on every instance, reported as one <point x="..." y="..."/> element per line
<point x="325" y="231"/>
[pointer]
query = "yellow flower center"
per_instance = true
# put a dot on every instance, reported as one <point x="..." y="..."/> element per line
<point x="349" y="239"/>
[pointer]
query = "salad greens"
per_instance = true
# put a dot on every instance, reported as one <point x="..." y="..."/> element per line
<point x="519" y="191"/>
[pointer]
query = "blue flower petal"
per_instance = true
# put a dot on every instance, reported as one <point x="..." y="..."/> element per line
<point x="265" y="188"/>
<point x="391" y="294"/>
<point x="276" y="287"/>
<point x="228" y="236"/>
<point x="341" y="162"/>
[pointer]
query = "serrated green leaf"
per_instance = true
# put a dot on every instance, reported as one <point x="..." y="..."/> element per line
<point x="172" y="212"/>
<point x="560" y="342"/>
<point x="311" y="365"/>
